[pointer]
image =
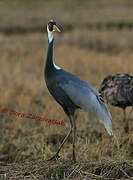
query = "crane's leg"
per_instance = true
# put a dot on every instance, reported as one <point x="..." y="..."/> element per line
<point x="130" y="112"/>
<point x="124" y="114"/>
<point x="125" y="120"/>
<point x="126" y="125"/>
<point x="65" y="139"/>
<point x="74" y="138"/>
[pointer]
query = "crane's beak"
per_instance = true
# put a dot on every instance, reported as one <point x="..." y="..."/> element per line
<point x="55" y="28"/>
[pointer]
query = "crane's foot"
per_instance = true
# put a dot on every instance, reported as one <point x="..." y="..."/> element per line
<point x="55" y="157"/>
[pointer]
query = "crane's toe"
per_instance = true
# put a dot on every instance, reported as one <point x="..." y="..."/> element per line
<point x="55" y="157"/>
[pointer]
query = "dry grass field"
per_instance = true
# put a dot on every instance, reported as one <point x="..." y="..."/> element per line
<point x="96" y="40"/>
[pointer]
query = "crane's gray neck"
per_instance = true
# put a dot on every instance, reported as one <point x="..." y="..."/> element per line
<point x="50" y="65"/>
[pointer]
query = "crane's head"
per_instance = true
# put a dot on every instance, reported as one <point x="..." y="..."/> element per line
<point x="51" y="26"/>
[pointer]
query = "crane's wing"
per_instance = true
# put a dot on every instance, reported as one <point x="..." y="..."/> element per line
<point x="88" y="99"/>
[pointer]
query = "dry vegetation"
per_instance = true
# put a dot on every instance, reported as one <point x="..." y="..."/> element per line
<point x="86" y="47"/>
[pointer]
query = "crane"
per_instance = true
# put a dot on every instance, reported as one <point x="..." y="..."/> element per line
<point x="117" y="90"/>
<point x="72" y="93"/>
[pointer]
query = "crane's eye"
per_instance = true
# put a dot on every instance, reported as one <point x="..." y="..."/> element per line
<point x="50" y="25"/>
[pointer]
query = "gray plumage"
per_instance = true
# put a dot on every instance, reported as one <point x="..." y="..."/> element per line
<point x="72" y="93"/>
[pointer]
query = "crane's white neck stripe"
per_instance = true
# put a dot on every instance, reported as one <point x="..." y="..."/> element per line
<point x="56" y="67"/>
<point x="50" y="36"/>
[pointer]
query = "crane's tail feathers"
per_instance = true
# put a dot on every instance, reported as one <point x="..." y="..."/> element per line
<point x="108" y="127"/>
<point x="105" y="118"/>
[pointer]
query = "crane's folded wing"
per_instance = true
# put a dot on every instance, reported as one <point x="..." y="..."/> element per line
<point x="88" y="99"/>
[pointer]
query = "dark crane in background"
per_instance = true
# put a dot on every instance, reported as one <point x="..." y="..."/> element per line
<point x="117" y="90"/>
<point x="72" y="93"/>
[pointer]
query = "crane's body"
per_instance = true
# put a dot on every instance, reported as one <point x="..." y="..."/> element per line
<point x="117" y="90"/>
<point x="72" y="93"/>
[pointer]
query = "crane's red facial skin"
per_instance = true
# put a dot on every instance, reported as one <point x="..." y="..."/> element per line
<point x="51" y="24"/>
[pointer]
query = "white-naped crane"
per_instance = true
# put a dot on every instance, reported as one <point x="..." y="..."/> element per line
<point x="117" y="90"/>
<point x="72" y="93"/>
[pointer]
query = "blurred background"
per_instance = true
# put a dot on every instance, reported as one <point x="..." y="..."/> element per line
<point x="96" y="40"/>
